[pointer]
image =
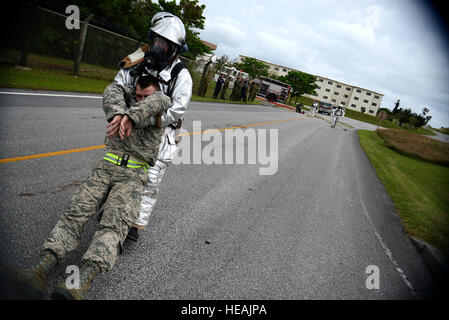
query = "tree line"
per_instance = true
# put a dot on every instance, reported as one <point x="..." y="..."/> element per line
<point x="135" y="16"/>
<point x="404" y="117"/>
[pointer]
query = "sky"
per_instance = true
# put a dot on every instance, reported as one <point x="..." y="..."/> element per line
<point x="393" y="47"/>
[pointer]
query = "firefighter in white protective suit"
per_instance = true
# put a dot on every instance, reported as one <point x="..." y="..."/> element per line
<point x="161" y="60"/>
<point x="339" y="111"/>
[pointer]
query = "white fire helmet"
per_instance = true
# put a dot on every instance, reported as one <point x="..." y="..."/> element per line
<point x="170" y="27"/>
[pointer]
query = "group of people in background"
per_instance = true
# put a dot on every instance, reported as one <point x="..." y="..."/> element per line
<point x="243" y="89"/>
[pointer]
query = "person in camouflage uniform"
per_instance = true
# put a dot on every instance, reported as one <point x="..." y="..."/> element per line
<point x="223" y="90"/>
<point x="117" y="181"/>
<point x="231" y="96"/>
<point x="256" y="90"/>
<point x="243" y="91"/>
<point x="235" y="95"/>
<point x="205" y="79"/>
<point x="252" y="92"/>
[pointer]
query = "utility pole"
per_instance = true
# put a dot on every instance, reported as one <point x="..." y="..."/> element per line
<point x="28" y="15"/>
<point x="76" y="67"/>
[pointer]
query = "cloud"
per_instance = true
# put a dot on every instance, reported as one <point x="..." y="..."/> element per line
<point x="400" y="55"/>
<point x="352" y="33"/>
<point x="222" y="30"/>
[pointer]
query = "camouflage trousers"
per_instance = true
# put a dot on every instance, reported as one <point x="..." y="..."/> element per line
<point x="119" y="189"/>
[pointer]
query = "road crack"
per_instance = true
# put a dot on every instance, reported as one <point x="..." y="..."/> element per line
<point x="58" y="189"/>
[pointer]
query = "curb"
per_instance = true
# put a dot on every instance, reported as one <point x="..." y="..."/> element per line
<point x="434" y="259"/>
<point x="275" y="103"/>
<point x="224" y="102"/>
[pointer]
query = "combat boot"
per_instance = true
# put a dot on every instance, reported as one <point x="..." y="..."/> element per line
<point x="88" y="272"/>
<point x="133" y="234"/>
<point x="32" y="282"/>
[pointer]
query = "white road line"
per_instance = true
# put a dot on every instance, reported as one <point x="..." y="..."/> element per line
<point x="51" y="95"/>
<point x="98" y="97"/>
<point x="387" y="251"/>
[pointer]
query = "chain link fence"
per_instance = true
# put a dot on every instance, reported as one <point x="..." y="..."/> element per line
<point x="36" y="30"/>
<point x="31" y="29"/>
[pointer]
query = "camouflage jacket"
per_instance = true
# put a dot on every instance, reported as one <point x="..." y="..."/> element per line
<point x="144" y="140"/>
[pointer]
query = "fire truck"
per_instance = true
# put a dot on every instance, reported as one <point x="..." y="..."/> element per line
<point x="273" y="90"/>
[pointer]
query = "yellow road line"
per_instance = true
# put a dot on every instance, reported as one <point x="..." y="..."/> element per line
<point x="50" y="154"/>
<point x="58" y="153"/>
<point x="237" y="127"/>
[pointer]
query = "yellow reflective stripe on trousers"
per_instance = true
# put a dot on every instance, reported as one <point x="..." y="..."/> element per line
<point x="117" y="159"/>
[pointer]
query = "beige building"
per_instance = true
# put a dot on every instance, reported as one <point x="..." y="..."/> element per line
<point x="352" y="97"/>
<point x="329" y="90"/>
<point x="273" y="69"/>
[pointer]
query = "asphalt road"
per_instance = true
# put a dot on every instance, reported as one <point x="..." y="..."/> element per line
<point x="440" y="136"/>
<point x="218" y="231"/>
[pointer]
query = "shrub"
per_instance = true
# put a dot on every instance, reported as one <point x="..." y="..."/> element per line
<point x="416" y="146"/>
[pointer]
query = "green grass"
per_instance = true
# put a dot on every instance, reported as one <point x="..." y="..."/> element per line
<point x="384" y="123"/>
<point x="304" y="100"/>
<point x="208" y="98"/>
<point x="60" y="80"/>
<point x="58" y="65"/>
<point x="419" y="190"/>
<point x="442" y="130"/>
<point x="42" y="79"/>
<point x="51" y="73"/>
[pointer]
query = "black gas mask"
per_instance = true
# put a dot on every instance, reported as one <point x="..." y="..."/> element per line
<point x="157" y="57"/>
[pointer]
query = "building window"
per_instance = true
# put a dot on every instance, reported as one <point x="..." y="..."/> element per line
<point x="371" y="111"/>
<point x="328" y="90"/>
<point x="325" y="97"/>
<point x="318" y="87"/>
<point x="320" y="80"/>
<point x="376" y="97"/>
<point x="338" y="85"/>
<point x="358" y="90"/>
<point x="368" y="93"/>
<point x="353" y="106"/>
<point x="285" y="70"/>
<point x="348" y="89"/>
<point x="333" y="100"/>
<point x="356" y="98"/>
<point x="343" y="103"/>
<point x="345" y="96"/>
<point x="336" y="93"/>
<point x="276" y="69"/>
<point x="329" y="82"/>
<point x="365" y="101"/>
<point x="374" y="104"/>
<point x="363" y="109"/>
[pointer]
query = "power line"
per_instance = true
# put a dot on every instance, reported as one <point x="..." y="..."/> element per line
<point x="60" y="7"/>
